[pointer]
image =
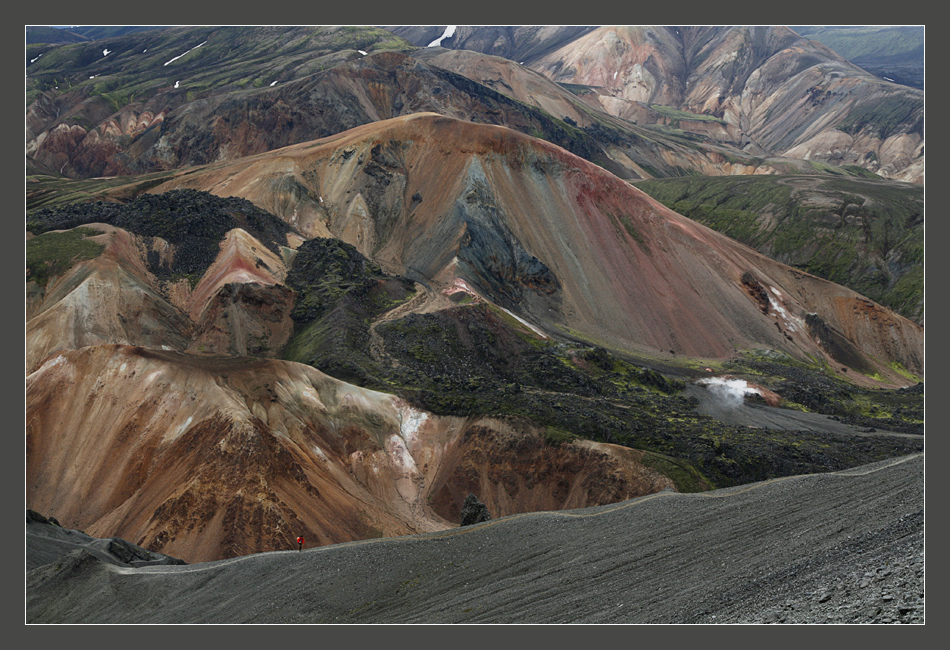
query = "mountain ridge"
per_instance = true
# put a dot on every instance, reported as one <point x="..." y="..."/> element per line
<point x="843" y="547"/>
<point x="648" y="225"/>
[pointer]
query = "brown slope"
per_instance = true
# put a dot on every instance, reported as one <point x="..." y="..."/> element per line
<point x="238" y="307"/>
<point x="564" y="243"/>
<point x="632" y="63"/>
<point x="632" y="149"/>
<point x="792" y="96"/>
<point x="112" y="298"/>
<point x="212" y="457"/>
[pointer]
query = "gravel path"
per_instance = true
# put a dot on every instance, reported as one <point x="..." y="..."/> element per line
<point x="826" y="548"/>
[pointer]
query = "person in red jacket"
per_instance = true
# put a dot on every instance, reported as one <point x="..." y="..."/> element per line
<point x="300" y="543"/>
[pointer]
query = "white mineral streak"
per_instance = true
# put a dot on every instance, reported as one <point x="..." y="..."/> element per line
<point x="411" y="421"/>
<point x="791" y="321"/>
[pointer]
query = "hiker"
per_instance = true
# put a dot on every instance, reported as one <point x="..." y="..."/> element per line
<point x="300" y="543"/>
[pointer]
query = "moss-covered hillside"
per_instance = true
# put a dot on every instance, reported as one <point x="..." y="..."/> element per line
<point x="474" y="359"/>
<point x="867" y="235"/>
<point x="133" y="66"/>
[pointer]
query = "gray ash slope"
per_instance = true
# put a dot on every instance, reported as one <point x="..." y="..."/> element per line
<point x="842" y="547"/>
<point x="47" y="541"/>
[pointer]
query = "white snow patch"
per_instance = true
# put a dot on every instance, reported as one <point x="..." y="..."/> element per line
<point x="411" y="420"/>
<point x="106" y="52"/>
<point x="145" y="50"/>
<point x="363" y="52"/>
<point x="400" y="453"/>
<point x="176" y="84"/>
<point x="181" y="55"/>
<point x="34" y="60"/>
<point x="184" y="426"/>
<point x="273" y="83"/>
<point x="730" y="391"/>
<point x="449" y="31"/>
<point x="94" y="76"/>
<point x="615" y="74"/>
<point x="525" y="323"/>
<point x="166" y="347"/>
<point x="55" y="361"/>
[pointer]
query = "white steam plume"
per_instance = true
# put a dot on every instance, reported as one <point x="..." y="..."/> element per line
<point x="729" y="391"/>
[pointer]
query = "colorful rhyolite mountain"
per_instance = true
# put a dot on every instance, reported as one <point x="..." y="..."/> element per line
<point x="154" y="413"/>
<point x="559" y="241"/>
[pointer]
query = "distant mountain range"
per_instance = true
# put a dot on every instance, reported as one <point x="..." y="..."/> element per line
<point x="893" y="53"/>
<point x="784" y="97"/>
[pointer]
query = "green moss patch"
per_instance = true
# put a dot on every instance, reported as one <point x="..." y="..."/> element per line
<point x="54" y="253"/>
<point x="865" y="235"/>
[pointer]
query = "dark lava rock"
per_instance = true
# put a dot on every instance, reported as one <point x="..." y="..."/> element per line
<point x="474" y="511"/>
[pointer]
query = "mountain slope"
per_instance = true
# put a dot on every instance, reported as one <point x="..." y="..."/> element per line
<point x="211" y="457"/>
<point x="181" y="271"/>
<point x="164" y="98"/>
<point x="86" y="102"/>
<point x="845" y="547"/>
<point x="559" y="241"/>
<point x="643" y="147"/>
<point x="164" y="130"/>
<point x="523" y="44"/>
<point x="893" y="53"/>
<point x="865" y="234"/>
<point x="482" y="341"/>
<point x="793" y="97"/>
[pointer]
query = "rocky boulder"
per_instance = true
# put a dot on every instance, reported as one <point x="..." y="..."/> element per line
<point x="474" y="511"/>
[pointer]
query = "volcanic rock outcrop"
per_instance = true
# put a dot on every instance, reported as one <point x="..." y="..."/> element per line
<point x="474" y="511"/>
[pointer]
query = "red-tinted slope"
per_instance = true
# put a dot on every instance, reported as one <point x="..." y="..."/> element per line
<point x="205" y="458"/>
<point x="560" y="241"/>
